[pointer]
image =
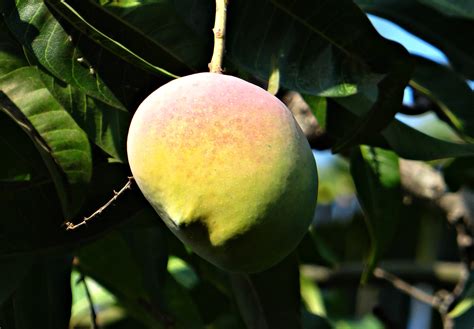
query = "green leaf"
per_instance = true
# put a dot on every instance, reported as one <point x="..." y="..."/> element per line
<point x="162" y="22"/>
<point x="450" y="92"/>
<point x="410" y="143"/>
<point x="131" y="263"/>
<point x="318" y="106"/>
<point x="376" y="176"/>
<point x="312" y="321"/>
<point x="407" y="142"/>
<point x="344" y="30"/>
<point x="62" y="144"/>
<point x="35" y="27"/>
<point x="451" y="35"/>
<point x="117" y="36"/>
<point x="105" y="125"/>
<point x="11" y="55"/>
<point x="312" y="297"/>
<point x="25" y="180"/>
<point x="459" y="8"/>
<point x="43" y="299"/>
<point x="270" y="299"/>
<point x="19" y="163"/>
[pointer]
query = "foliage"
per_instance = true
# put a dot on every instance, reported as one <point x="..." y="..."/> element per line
<point x="72" y="74"/>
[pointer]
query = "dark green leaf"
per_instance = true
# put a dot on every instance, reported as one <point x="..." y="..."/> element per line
<point x="410" y="143"/>
<point x="131" y="263"/>
<point x="344" y="30"/>
<point x="450" y="92"/>
<point x="162" y="23"/>
<point x="35" y="27"/>
<point x="451" y="35"/>
<point x="19" y="163"/>
<point x="12" y="273"/>
<point x="459" y="172"/>
<point x="406" y="141"/>
<point x="118" y="37"/>
<point x="62" y="144"/>
<point x="312" y="321"/>
<point x="43" y="299"/>
<point x="11" y="55"/>
<point x="460" y="8"/>
<point x="270" y="299"/>
<point x="31" y="215"/>
<point x="376" y="176"/>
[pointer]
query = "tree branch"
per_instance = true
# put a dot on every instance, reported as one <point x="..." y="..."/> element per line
<point x="71" y="226"/>
<point x="407" y="288"/>
<point x="219" y="29"/>
<point x="91" y="303"/>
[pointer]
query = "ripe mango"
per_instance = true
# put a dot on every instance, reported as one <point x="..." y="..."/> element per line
<point x="227" y="167"/>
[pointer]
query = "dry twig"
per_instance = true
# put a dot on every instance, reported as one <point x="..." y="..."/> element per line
<point x="71" y="226"/>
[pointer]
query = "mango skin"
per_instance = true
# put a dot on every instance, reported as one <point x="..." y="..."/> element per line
<point x="227" y="168"/>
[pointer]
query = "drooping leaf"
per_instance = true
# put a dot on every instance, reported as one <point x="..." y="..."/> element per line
<point x="376" y="176"/>
<point x="43" y="298"/>
<point x="449" y="91"/>
<point x="270" y="299"/>
<point x="118" y="37"/>
<point x="62" y="144"/>
<point x="451" y="35"/>
<point x="35" y="28"/>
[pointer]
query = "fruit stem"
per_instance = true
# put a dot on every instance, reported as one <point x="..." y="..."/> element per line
<point x="215" y="65"/>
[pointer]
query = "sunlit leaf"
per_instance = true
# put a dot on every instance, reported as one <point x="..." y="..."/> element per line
<point x="36" y="28"/>
<point x="62" y="144"/>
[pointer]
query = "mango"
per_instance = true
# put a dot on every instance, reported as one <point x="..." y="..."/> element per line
<point x="227" y="168"/>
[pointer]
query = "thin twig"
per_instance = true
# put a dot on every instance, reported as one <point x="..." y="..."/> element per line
<point x="215" y="65"/>
<point x="71" y="226"/>
<point x="91" y="303"/>
<point x="407" y="288"/>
